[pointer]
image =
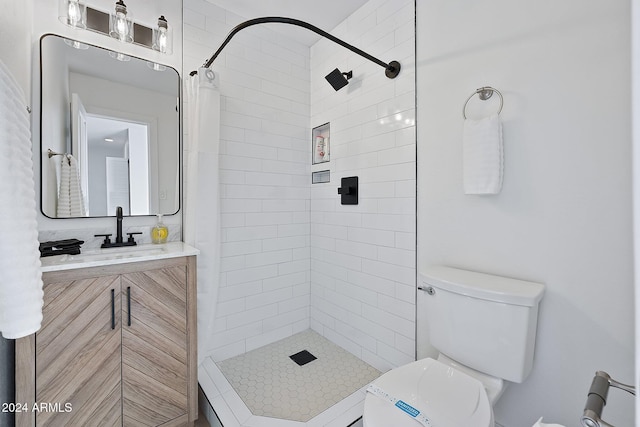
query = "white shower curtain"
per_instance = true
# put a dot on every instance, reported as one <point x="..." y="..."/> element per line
<point x="202" y="198"/>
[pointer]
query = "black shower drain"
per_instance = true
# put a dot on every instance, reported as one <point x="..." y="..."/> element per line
<point x="303" y="357"/>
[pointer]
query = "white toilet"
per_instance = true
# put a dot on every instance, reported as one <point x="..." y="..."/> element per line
<point x="484" y="327"/>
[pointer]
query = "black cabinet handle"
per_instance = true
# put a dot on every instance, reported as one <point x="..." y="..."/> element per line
<point x="128" y="305"/>
<point x="113" y="308"/>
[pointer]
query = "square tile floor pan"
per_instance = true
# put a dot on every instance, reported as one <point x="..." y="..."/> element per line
<point x="301" y="381"/>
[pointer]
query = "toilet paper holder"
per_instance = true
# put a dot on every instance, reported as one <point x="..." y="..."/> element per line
<point x="597" y="399"/>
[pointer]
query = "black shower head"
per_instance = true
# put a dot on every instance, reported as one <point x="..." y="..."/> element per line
<point x="338" y="79"/>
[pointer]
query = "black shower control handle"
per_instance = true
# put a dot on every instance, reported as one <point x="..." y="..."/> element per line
<point x="348" y="190"/>
<point x="345" y="190"/>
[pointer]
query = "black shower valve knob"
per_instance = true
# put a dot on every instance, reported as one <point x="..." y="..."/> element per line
<point x="348" y="190"/>
<point x="345" y="190"/>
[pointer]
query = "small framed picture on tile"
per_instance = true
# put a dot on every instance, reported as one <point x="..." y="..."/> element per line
<point x="320" y="144"/>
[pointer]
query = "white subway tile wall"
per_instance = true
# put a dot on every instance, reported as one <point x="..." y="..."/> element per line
<point x="363" y="257"/>
<point x="293" y="257"/>
<point x="265" y="178"/>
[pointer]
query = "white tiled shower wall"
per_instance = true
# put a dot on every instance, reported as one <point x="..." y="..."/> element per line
<point x="264" y="161"/>
<point x="293" y="257"/>
<point x="363" y="257"/>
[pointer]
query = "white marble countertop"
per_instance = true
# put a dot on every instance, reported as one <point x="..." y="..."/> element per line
<point x="112" y="256"/>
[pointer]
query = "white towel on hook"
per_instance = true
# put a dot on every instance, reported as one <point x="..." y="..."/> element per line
<point x="64" y="210"/>
<point x="70" y="198"/>
<point x="20" y="273"/>
<point x="482" y="155"/>
<point x="76" y="198"/>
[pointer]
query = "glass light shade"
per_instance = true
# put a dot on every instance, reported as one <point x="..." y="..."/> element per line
<point x="72" y="13"/>
<point x="119" y="56"/>
<point x="76" y="44"/>
<point x="163" y="37"/>
<point x="156" y="67"/>
<point x="121" y="24"/>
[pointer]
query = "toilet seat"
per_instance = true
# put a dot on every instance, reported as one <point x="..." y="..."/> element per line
<point x="447" y="396"/>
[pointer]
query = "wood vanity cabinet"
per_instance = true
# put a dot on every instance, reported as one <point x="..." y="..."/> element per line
<point x="117" y="347"/>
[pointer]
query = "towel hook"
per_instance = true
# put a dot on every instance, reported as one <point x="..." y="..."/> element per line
<point x="483" y="93"/>
<point x="52" y="153"/>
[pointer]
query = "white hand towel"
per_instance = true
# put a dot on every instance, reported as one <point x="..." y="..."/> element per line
<point x="76" y="198"/>
<point x="64" y="202"/>
<point x="20" y="273"/>
<point x="482" y="155"/>
<point x="70" y="199"/>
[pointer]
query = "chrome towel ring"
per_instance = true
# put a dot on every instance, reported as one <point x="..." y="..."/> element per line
<point x="483" y="93"/>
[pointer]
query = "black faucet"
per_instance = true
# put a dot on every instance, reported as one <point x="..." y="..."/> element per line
<point x="119" y="241"/>
<point x="118" y="224"/>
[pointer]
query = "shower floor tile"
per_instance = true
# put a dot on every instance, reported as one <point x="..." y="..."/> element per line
<point x="272" y="385"/>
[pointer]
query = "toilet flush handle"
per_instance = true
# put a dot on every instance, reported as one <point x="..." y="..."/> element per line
<point x="428" y="289"/>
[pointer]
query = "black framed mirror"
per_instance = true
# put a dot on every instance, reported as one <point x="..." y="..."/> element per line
<point x="112" y="121"/>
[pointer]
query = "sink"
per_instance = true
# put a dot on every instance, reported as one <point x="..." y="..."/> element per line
<point x="107" y="256"/>
<point x="114" y="253"/>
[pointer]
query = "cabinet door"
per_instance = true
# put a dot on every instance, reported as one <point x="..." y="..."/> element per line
<point x="154" y="346"/>
<point x="78" y="354"/>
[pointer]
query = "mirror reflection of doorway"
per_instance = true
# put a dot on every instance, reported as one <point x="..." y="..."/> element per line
<point x="79" y="139"/>
<point x="117" y="180"/>
<point x="118" y="157"/>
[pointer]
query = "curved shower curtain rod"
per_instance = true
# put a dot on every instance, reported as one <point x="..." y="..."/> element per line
<point x="392" y="69"/>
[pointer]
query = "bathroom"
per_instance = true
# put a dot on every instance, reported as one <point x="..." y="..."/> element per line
<point x="563" y="217"/>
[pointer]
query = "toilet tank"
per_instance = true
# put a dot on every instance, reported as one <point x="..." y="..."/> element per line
<point x="483" y="321"/>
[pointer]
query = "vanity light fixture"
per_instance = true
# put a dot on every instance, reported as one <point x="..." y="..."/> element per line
<point x="120" y="24"/>
<point x="162" y="42"/>
<point x="162" y="37"/>
<point x="117" y="24"/>
<point x="73" y="13"/>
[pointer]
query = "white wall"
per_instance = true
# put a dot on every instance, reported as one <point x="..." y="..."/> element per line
<point x="563" y="217"/>
<point x="363" y="256"/>
<point x="264" y="172"/>
<point x="45" y="20"/>
<point x="15" y="41"/>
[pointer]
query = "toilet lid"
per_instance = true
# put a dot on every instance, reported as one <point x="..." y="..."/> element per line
<point x="448" y="397"/>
